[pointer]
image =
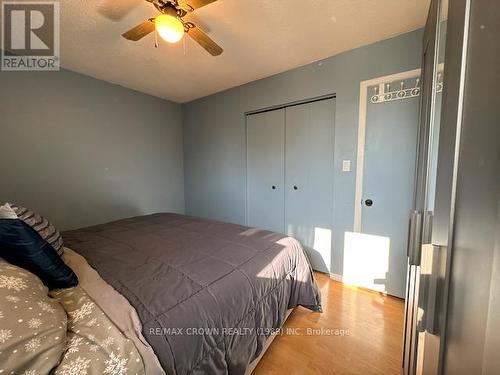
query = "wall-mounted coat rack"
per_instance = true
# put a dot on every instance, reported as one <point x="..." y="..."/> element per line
<point x="383" y="92"/>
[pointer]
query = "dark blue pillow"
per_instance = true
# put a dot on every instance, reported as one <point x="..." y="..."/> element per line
<point x="22" y="246"/>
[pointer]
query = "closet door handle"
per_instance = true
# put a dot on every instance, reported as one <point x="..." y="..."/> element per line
<point x="273" y="187"/>
<point x="415" y="238"/>
<point x="295" y="187"/>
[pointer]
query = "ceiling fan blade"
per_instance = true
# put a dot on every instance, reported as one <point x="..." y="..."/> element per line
<point x="140" y="31"/>
<point x="116" y="10"/>
<point x="191" y="5"/>
<point x="204" y="40"/>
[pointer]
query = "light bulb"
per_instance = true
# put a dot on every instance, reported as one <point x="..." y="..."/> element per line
<point x="170" y="28"/>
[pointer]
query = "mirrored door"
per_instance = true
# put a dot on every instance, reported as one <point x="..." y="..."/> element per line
<point x="432" y="253"/>
<point x="426" y="258"/>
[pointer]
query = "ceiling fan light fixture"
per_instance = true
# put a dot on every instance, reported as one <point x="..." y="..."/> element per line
<point x="169" y="28"/>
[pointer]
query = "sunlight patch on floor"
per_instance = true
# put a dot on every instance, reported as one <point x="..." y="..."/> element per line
<point x="366" y="260"/>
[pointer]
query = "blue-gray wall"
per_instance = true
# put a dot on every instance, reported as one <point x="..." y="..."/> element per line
<point x="214" y="129"/>
<point x="82" y="151"/>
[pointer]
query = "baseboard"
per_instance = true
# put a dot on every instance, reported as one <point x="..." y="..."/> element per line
<point x="336" y="277"/>
<point x="340" y="279"/>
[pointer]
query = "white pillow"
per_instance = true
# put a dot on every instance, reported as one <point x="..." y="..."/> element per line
<point x="6" y="212"/>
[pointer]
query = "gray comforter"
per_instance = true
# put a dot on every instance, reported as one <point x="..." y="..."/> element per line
<point x="207" y="293"/>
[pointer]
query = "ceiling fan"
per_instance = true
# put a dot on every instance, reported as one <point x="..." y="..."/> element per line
<point x="170" y="24"/>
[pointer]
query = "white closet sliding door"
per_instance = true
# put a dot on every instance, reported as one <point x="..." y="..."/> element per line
<point x="309" y="167"/>
<point x="265" y="170"/>
<point x="290" y="175"/>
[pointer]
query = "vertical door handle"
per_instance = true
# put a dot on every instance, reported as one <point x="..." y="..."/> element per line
<point x="415" y="238"/>
<point x="427" y="227"/>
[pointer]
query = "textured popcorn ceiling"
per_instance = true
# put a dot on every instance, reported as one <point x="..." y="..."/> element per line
<point x="260" y="38"/>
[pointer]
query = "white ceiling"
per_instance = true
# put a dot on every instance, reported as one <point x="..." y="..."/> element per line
<point x="260" y="38"/>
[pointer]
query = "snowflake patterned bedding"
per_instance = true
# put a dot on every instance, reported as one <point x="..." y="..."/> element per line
<point x="63" y="333"/>
<point x="207" y="293"/>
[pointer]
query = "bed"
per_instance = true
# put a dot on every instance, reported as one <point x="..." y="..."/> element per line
<point x="201" y="297"/>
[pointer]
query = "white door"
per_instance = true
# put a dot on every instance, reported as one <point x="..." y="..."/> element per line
<point x="376" y="257"/>
<point x="265" y="170"/>
<point x="309" y="178"/>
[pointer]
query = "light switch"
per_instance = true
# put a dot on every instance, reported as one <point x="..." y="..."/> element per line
<point x="346" y="165"/>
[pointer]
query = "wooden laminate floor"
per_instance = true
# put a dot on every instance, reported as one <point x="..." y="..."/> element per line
<point x="371" y="342"/>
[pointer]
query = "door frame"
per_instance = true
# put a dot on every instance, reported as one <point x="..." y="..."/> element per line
<point x="360" y="158"/>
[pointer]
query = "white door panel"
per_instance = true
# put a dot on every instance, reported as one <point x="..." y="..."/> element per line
<point x="309" y="178"/>
<point x="265" y="170"/>
<point x="388" y="188"/>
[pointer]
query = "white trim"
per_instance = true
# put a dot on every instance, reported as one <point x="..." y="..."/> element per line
<point x="360" y="161"/>
<point x="246" y="170"/>
<point x="336" y="277"/>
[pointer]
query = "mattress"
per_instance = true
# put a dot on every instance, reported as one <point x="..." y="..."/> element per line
<point x="207" y="294"/>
